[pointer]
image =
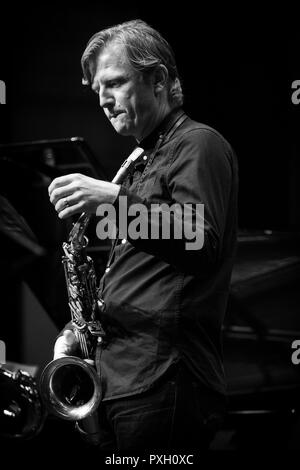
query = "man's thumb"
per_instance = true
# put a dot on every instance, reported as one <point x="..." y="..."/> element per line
<point x="69" y="337"/>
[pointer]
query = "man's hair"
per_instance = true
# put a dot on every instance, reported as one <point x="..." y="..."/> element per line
<point x="145" y="49"/>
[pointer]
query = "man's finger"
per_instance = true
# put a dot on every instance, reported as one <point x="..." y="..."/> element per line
<point x="67" y="201"/>
<point x="60" y="181"/>
<point x="64" y="344"/>
<point x="69" y="337"/>
<point x="69" y="211"/>
<point x="61" y="192"/>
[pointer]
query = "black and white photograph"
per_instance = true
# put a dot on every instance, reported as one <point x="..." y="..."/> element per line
<point x="149" y="232"/>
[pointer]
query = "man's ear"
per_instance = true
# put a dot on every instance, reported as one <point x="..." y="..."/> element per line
<point x="160" y="78"/>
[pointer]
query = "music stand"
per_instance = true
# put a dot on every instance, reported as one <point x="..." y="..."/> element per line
<point x="54" y="157"/>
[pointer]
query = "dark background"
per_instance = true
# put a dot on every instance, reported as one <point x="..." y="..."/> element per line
<point x="237" y="66"/>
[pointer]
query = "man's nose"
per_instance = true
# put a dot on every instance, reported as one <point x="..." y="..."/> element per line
<point x="106" y="99"/>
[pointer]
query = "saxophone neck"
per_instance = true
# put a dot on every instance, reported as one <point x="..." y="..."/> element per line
<point x="76" y="236"/>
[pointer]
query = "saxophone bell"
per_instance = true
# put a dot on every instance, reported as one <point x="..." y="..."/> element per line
<point x="70" y="388"/>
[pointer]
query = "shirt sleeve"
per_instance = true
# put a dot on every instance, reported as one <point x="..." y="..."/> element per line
<point x="200" y="175"/>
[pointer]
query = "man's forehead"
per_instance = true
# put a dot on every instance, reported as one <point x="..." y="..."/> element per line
<point x="111" y="56"/>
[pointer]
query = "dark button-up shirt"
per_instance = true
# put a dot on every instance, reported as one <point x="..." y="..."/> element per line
<point x="165" y="303"/>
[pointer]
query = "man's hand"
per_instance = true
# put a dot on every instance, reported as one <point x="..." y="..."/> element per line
<point x="66" y="345"/>
<point x="76" y="193"/>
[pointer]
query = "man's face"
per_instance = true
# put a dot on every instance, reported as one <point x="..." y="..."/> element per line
<point x="128" y="101"/>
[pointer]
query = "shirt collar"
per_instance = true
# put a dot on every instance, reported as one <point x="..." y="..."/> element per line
<point x="166" y="124"/>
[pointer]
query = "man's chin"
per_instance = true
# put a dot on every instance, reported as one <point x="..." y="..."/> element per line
<point x="122" y="130"/>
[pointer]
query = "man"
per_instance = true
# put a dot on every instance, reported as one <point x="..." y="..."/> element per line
<point x="161" y="364"/>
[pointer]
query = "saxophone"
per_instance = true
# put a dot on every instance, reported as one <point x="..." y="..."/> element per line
<point x="70" y="386"/>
